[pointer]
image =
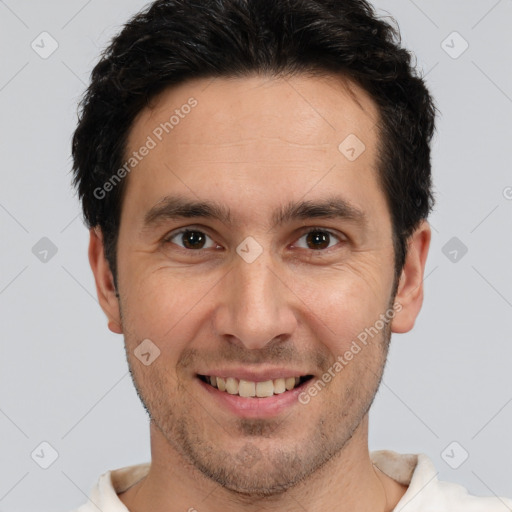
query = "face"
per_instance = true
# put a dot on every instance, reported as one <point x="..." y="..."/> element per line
<point x="252" y="249"/>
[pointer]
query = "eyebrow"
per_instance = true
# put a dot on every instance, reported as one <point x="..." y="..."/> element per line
<point x="177" y="207"/>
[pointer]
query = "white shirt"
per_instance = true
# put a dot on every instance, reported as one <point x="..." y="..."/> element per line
<point x="425" y="492"/>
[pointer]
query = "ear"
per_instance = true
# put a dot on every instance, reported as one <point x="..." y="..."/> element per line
<point x="104" y="281"/>
<point x="409" y="296"/>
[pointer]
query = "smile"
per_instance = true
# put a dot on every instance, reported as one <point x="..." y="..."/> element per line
<point x="247" y="388"/>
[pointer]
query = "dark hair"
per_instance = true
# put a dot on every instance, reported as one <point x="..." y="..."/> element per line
<point x="172" y="41"/>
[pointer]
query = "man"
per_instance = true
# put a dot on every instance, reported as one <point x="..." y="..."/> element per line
<point x="256" y="177"/>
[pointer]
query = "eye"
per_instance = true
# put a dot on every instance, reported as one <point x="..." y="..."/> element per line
<point x="191" y="239"/>
<point x="318" y="239"/>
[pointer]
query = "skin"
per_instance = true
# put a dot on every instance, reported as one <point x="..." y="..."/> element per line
<point x="254" y="144"/>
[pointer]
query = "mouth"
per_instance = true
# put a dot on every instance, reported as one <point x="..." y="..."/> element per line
<point x="252" y="389"/>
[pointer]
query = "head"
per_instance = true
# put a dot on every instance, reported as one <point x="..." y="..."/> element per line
<point x="292" y="140"/>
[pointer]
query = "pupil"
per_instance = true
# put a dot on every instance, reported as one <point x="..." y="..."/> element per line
<point x="193" y="239"/>
<point x="319" y="240"/>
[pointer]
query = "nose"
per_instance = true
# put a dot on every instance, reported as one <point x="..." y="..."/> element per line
<point x="255" y="304"/>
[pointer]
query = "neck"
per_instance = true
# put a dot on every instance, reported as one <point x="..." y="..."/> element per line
<point x="348" y="482"/>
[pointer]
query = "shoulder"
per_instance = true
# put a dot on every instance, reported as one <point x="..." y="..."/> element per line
<point x="426" y="492"/>
<point x="104" y="495"/>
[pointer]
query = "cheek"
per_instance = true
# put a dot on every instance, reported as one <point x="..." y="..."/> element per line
<point x="163" y="305"/>
<point x="342" y="303"/>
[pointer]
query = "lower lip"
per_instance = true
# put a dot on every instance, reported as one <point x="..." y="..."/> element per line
<point x="254" y="407"/>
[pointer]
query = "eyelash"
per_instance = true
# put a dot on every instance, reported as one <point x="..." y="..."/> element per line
<point x="170" y="236"/>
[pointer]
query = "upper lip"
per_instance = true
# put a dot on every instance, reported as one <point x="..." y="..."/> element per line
<point x="253" y="375"/>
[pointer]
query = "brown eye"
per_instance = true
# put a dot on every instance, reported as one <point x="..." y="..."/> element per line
<point x="318" y="239"/>
<point x="191" y="239"/>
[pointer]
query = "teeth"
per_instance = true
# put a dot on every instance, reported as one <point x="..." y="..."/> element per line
<point x="289" y="383"/>
<point x="264" y="389"/>
<point x="232" y="386"/>
<point x="279" y="386"/>
<point x="247" y="388"/>
<point x="221" y="384"/>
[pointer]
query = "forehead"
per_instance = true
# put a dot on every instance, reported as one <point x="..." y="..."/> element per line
<point x="272" y="135"/>
<point x="315" y="110"/>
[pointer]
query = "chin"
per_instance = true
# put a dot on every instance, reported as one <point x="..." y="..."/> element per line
<point x="259" y="481"/>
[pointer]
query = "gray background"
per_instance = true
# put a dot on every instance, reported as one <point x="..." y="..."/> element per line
<point x="63" y="375"/>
